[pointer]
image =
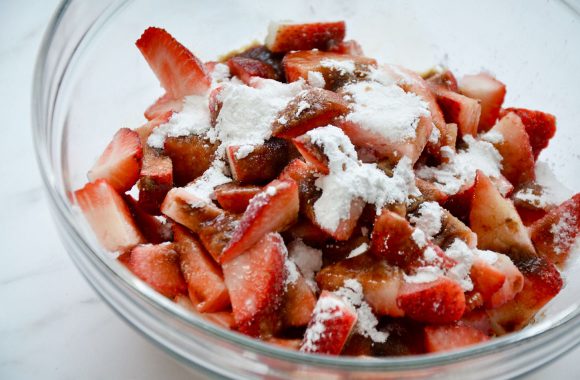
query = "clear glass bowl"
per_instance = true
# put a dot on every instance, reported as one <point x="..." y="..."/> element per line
<point x="90" y="80"/>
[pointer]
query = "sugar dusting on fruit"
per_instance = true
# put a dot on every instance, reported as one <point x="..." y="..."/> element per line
<point x="564" y="232"/>
<point x="307" y="259"/>
<point x="204" y="186"/>
<point x="358" y="250"/>
<point x="327" y="309"/>
<point x="428" y="219"/>
<point x="315" y="79"/>
<point x="463" y="256"/>
<point x="343" y="67"/>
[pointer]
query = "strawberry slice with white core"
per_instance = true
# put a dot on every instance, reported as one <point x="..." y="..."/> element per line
<point x="255" y="281"/>
<point x="489" y="91"/>
<point x="178" y="70"/>
<point x="108" y="215"/>
<point x="459" y="109"/>
<point x="121" y="161"/>
<point x="158" y="265"/>
<point x="332" y="323"/>
<point x="163" y="105"/>
<point x="284" y="36"/>
<point x="540" y="127"/>
<point x="272" y="210"/>
<point x="452" y="337"/>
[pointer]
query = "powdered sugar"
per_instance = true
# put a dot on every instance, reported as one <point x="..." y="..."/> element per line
<point x="203" y="187"/>
<point x="350" y="179"/>
<point x="564" y="232"/>
<point x="435" y="135"/>
<point x="343" y="67"/>
<point x="315" y="79"/>
<point x="490" y="257"/>
<point x="385" y="110"/>
<point x="419" y="237"/>
<point x="292" y="274"/>
<point x="463" y="255"/>
<point x="243" y="151"/>
<point x="358" y="250"/>
<point x="429" y="218"/>
<point x="302" y="105"/>
<point x="428" y="273"/>
<point x="308" y="260"/>
<point x="493" y="137"/>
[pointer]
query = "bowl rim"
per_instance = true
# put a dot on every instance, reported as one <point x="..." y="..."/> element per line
<point x="64" y="209"/>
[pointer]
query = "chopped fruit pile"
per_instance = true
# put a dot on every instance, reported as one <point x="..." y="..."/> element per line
<point x="306" y="195"/>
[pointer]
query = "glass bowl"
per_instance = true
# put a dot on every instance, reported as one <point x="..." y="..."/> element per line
<point x="91" y="80"/>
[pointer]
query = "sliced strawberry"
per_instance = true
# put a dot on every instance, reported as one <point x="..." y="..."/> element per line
<point x="542" y="282"/>
<point x="203" y="276"/>
<point x="155" y="180"/>
<point x="255" y="281"/>
<point x="556" y="233"/>
<point x="298" y="304"/>
<point x="392" y="240"/>
<point x="235" y="198"/>
<point x="452" y="337"/>
<point x="120" y="162"/>
<point x="430" y="192"/>
<point x="496" y="222"/>
<point x="518" y="164"/>
<point x="158" y="265"/>
<point x="459" y="204"/>
<point x="330" y="327"/>
<point x="272" y="210"/>
<point x="246" y="68"/>
<point x="154" y="229"/>
<point x="178" y="70"/>
<point x="451" y="229"/>
<point x="312" y="153"/>
<point x="284" y="36"/>
<point x="298" y="64"/>
<point x="262" y="164"/>
<point x="215" y="105"/>
<point x="486" y="278"/>
<point x="221" y="318"/>
<point x="350" y="47"/>
<point x="497" y="283"/>
<point x="190" y="155"/>
<point x="459" y="109"/>
<point x="358" y="345"/>
<point x="444" y="79"/>
<point x="540" y="126"/>
<point x="489" y="91"/>
<point x="308" y="232"/>
<point x="478" y="319"/>
<point x="439" y="301"/>
<point x="263" y="54"/>
<point x="381" y="282"/>
<point x="108" y="215"/>
<point x="163" y="105"/>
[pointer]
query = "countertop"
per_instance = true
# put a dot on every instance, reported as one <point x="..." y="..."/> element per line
<point x="52" y="324"/>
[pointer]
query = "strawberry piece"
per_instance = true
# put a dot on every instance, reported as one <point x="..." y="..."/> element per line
<point x="163" y="105"/>
<point x="235" y="198"/>
<point x="518" y="164"/>
<point x="154" y="230"/>
<point x="221" y="318"/>
<point x="444" y="79"/>
<point x="459" y="109"/>
<point x="215" y="105"/>
<point x="262" y="164"/>
<point x="246" y="68"/>
<point x="452" y="337"/>
<point x="487" y="279"/>
<point x="284" y="37"/>
<point x="263" y="54"/>
<point x="350" y="47"/>
<point x="255" y="281"/>
<point x="381" y="282"/>
<point x="439" y="301"/>
<point x="489" y="91"/>
<point x="451" y="229"/>
<point x="478" y="319"/>
<point x="108" y="215"/>
<point x="203" y="276"/>
<point x="158" y="266"/>
<point x="496" y="222"/>
<point x="556" y="233"/>
<point x="430" y="192"/>
<point x="540" y="126"/>
<point x="459" y="204"/>
<point x="298" y="64"/>
<point x="155" y="180"/>
<point x="190" y="155"/>
<point x="312" y="153"/>
<point x="310" y="109"/>
<point x="308" y="232"/>
<point x="272" y="210"/>
<point x="120" y="162"/>
<point x="298" y="304"/>
<point x="178" y="70"/>
<point x="542" y="282"/>
<point x="498" y="283"/>
<point x="331" y="325"/>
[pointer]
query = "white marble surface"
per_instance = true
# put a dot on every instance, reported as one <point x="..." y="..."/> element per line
<point x="52" y="324"/>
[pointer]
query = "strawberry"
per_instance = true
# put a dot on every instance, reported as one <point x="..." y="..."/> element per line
<point x="246" y="68"/>
<point x="158" y="266"/>
<point x="120" y="162"/>
<point x="444" y="79"/>
<point x="215" y="105"/>
<point x="308" y="232"/>
<point x="155" y="180"/>
<point x="556" y="233"/>
<point x="459" y="204"/>
<point x="430" y="193"/>
<point x="235" y="198"/>
<point x="190" y="155"/>
<point x="459" y="109"/>
<point x="331" y="325"/>
<point x="518" y="164"/>
<point x="298" y="304"/>
<point x="542" y="282"/>
<point x="163" y="105"/>
<point x="381" y="282"/>
<point x="298" y="64"/>
<point x="284" y="36"/>
<point x="540" y="126"/>
<point x="478" y="319"/>
<point x="358" y="345"/>
<point x="439" y="301"/>
<point x="496" y="222"/>
<point x="263" y="54"/>
<point x="178" y="70"/>
<point x="108" y="215"/>
<point x="312" y="153"/>
<point x="272" y="210"/>
<point x="350" y="47"/>
<point x="154" y="230"/>
<point x="203" y="276"/>
<point x="261" y="165"/>
<point x="489" y="91"/>
<point x="452" y="337"/>
<point x="310" y="109"/>
<point x="497" y="283"/>
<point x="221" y="318"/>
<point x="255" y="281"/>
<point x="451" y="229"/>
<point x="334" y="251"/>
